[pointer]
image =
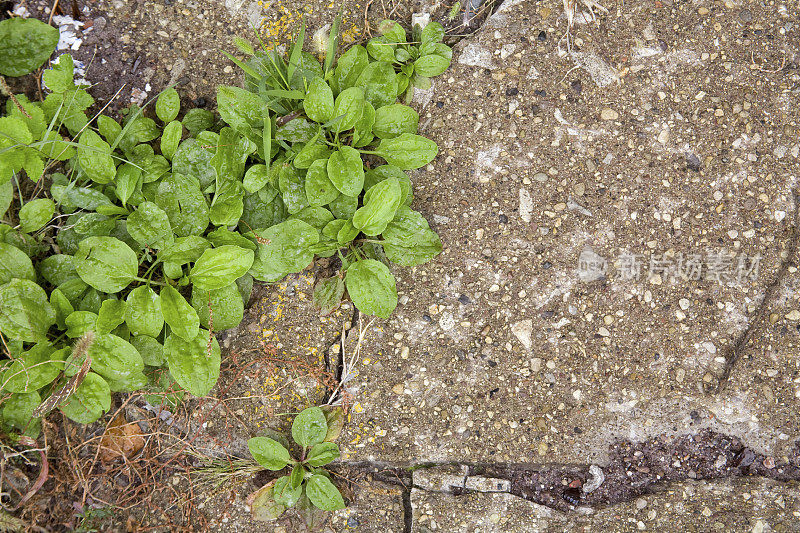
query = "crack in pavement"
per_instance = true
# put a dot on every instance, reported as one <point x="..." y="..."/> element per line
<point x="635" y="469"/>
<point x="735" y="352"/>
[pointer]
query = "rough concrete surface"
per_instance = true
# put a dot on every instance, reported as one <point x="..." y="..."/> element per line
<point x="615" y="205"/>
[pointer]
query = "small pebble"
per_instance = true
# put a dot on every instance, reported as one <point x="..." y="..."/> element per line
<point x="609" y="114"/>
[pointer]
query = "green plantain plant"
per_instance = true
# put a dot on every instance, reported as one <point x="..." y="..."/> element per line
<point x="25" y="44"/>
<point x="116" y="270"/>
<point x="127" y="254"/>
<point x="306" y="485"/>
<point x="336" y="146"/>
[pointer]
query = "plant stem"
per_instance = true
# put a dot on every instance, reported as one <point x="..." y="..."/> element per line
<point x="143" y="280"/>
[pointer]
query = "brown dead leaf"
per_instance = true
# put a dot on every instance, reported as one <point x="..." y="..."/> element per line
<point x="122" y="439"/>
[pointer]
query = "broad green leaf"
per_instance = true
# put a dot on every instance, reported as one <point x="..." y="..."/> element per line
<point x="335" y="418"/>
<point x="149" y="225"/>
<point x="172" y="270"/>
<point x="297" y="130"/>
<point x="193" y="158"/>
<point x="156" y="168"/>
<point x="408" y="240"/>
<point x="150" y="349"/>
<point x="62" y="306"/>
<point x="73" y="289"/>
<point x="35" y="214"/>
<point x="218" y="309"/>
<point x="194" y="364"/>
<point x="297" y="475"/>
<point x="331" y="229"/>
<point x="228" y="205"/>
<point x="349" y="67"/>
<point x="219" y="267"/>
<point x="323" y="494"/>
<point x="33" y="369"/>
<point x="380" y="205"/>
<point x="346" y="233"/>
<point x="380" y="173"/>
<point x="143" y="312"/>
<point x="395" y="119"/>
<point x="262" y="210"/>
<point x="108" y="127"/>
<point x="89" y="401"/>
<point x="347" y="108"/>
<point x="105" y="263"/>
<point x="33" y="118"/>
<point x="137" y="129"/>
<point x="393" y="31"/>
<point x="197" y="120"/>
<point x="245" y="286"/>
<point x="30" y="246"/>
<point x="94" y="157"/>
<point x="111" y="315"/>
<point x="319" y="189"/>
<point x="93" y="224"/>
<point x="310" y="153"/>
<point x="263" y="506"/>
<point x="6" y="195"/>
<point x="135" y="381"/>
<point x="70" y="197"/>
<point x="269" y="453"/>
<point x="372" y="287"/>
<point x="255" y="178"/>
<point x="323" y="453"/>
<point x="439" y="49"/>
<point x="362" y="133"/>
<point x="180" y="196"/>
<point x="317" y="217"/>
<point x="344" y="206"/>
<point x="56" y="269"/>
<point x="283" y="249"/>
<point x="18" y="414"/>
<point x="78" y="323"/>
<point x="114" y="358"/>
<point x="168" y="105"/>
<point x="309" y="427"/>
<point x="346" y="171"/>
<point x="129" y="179"/>
<point x="432" y="33"/>
<point x="14" y="264"/>
<point x="179" y="315"/>
<point x="232" y="153"/>
<point x="91" y="301"/>
<point x="431" y="65"/>
<point x="408" y="151"/>
<point x="223" y="236"/>
<point x="171" y="138"/>
<point x="284" y="493"/>
<point x="291" y="183"/>
<point x="25" y="312"/>
<point x="25" y="44"/>
<point x="318" y="103"/>
<point x="185" y="250"/>
<point x="379" y="82"/>
<point x="242" y="110"/>
<point x="381" y="49"/>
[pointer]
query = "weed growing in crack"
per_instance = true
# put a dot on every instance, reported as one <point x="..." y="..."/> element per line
<point x="322" y="130"/>
<point x="307" y="486"/>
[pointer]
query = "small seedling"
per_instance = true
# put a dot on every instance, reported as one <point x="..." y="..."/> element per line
<point x="306" y="485"/>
